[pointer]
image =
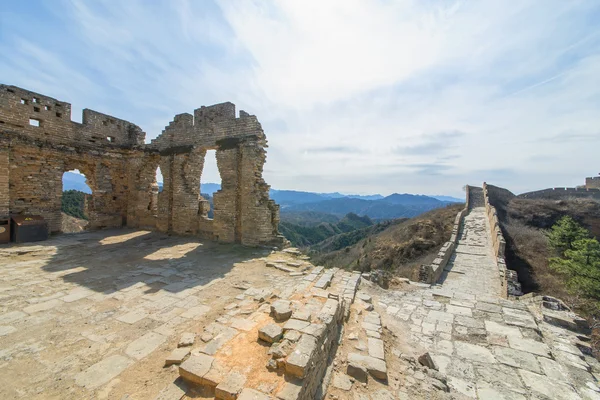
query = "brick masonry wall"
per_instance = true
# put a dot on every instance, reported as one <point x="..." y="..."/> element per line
<point x="431" y="273"/>
<point x="498" y="242"/>
<point x="40" y="142"/>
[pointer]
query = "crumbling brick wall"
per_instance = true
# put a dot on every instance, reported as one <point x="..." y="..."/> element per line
<point x="39" y="142"/>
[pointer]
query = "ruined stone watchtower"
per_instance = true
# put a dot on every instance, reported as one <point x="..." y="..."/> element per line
<point x="39" y="142"/>
<point x="592" y="182"/>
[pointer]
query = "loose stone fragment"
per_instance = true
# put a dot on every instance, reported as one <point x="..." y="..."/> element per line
<point x="187" y="339"/>
<point x="357" y="371"/>
<point x="375" y="366"/>
<point x="270" y="333"/>
<point x="195" y="368"/>
<point x="177" y="356"/>
<point x="426" y="360"/>
<point x="281" y="310"/>
<point x="281" y="349"/>
<point x="364" y="297"/>
<point x="292" y="336"/>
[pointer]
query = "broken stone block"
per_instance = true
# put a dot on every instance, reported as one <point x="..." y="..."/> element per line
<point x="230" y="387"/>
<point x="270" y="333"/>
<point x="315" y="330"/>
<point x="295" y="324"/>
<point x="281" y="310"/>
<point x="195" y="368"/>
<point x="292" y="336"/>
<point x="272" y="364"/>
<point x="298" y="362"/>
<point x="187" y="339"/>
<point x="281" y="350"/>
<point x="302" y="314"/>
<point x="216" y="374"/>
<point x="376" y="367"/>
<point x="357" y="371"/>
<point x="426" y="360"/>
<point x="251" y="394"/>
<point x="177" y="356"/>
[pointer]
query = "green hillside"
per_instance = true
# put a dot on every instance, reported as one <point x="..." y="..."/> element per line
<point x="73" y="203"/>
<point x="307" y="235"/>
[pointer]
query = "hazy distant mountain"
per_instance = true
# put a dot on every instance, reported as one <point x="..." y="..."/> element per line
<point x="410" y="199"/>
<point x="288" y="197"/>
<point x="337" y="195"/>
<point x="376" y="209"/>
<point x="449" y="199"/>
<point x="73" y="181"/>
<point x="374" y="206"/>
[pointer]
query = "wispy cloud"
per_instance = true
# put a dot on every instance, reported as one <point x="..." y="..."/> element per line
<point x="334" y="149"/>
<point x="432" y="143"/>
<point x="367" y="96"/>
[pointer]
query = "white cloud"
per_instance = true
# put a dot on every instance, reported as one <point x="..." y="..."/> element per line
<point x="341" y="85"/>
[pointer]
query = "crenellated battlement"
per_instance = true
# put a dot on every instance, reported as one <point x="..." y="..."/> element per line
<point x="592" y="182"/>
<point x="42" y="117"/>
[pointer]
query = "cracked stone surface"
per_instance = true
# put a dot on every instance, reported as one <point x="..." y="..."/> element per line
<point x="487" y="346"/>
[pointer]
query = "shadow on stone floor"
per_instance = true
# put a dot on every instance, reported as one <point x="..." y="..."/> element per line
<point x="108" y="261"/>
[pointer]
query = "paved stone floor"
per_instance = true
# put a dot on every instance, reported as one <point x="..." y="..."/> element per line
<point x="472" y="269"/>
<point x="488" y="347"/>
<point x="94" y="315"/>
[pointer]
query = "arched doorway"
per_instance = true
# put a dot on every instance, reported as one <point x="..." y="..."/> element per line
<point x="210" y="180"/>
<point x="74" y="201"/>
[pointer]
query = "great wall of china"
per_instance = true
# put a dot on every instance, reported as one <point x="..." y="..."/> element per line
<point x="179" y="318"/>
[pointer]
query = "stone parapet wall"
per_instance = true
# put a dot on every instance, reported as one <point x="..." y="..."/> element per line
<point x="498" y="242"/>
<point x="563" y="193"/>
<point x="322" y="348"/>
<point x="39" y="142"/>
<point x="431" y="273"/>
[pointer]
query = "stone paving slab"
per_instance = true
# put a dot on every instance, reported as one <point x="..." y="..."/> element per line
<point x="90" y="317"/>
<point x="489" y="347"/>
<point x="103" y="371"/>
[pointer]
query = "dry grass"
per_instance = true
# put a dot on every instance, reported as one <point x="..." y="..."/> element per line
<point x="401" y="248"/>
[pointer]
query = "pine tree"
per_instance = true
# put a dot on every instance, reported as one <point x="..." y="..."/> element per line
<point x="581" y="267"/>
<point x="565" y="233"/>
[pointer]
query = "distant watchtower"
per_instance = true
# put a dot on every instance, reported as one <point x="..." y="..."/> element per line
<point x="592" y="183"/>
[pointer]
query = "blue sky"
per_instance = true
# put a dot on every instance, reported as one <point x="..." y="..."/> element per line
<point x="355" y="96"/>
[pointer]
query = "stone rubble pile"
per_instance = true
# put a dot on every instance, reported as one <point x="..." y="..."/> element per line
<point x="292" y="335"/>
